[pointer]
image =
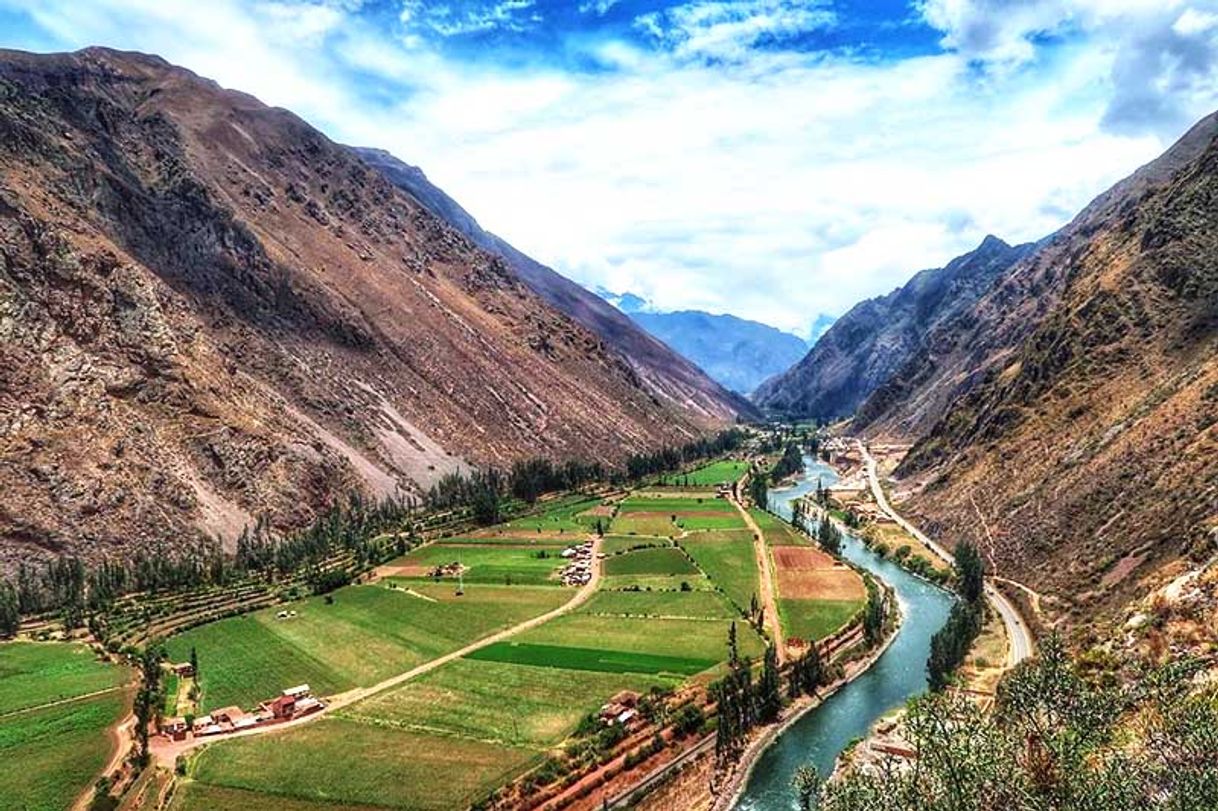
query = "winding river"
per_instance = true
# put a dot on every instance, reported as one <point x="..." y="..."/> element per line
<point x="899" y="674"/>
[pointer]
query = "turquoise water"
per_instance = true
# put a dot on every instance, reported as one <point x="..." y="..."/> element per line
<point x="900" y="673"/>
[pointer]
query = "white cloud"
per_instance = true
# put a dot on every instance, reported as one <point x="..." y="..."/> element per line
<point x="728" y="29"/>
<point x="774" y="185"/>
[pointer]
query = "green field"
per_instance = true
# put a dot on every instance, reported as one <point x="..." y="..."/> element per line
<point x="701" y="604"/>
<point x="369" y="634"/>
<point x="192" y="795"/>
<point x="655" y="524"/>
<point x="484" y="698"/>
<point x="52" y="747"/>
<point x="728" y="559"/>
<point x="778" y="532"/>
<point x="674" y="506"/>
<point x="815" y="619"/>
<point x="499" y="536"/>
<point x="662" y="560"/>
<point x="693" y="523"/>
<point x="693" y="639"/>
<point x="714" y="473"/>
<point x="562" y="657"/>
<point x="37" y="673"/>
<point x="618" y="544"/>
<point x="351" y="763"/>
<point x="561" y="515"/>
<point x="491" y="563"/>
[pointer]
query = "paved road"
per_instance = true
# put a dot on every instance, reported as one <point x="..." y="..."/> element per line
<point x="1020" y="646"/>
<point x="769" y="594"/>
<point x="167" y="751"/>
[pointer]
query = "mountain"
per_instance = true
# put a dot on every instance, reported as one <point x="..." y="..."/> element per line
<point x="667" y="375"/>
<point x="819" y="327"/>
<point x="867" y="345"/>
<point x="1068" y="419"/>
<point x="734" y="351"/>
<point x="211" y="312"/>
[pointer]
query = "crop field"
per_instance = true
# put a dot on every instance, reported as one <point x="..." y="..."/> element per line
<point x="487" y="699"/>
<point x="644" y="523"/>
<point x="694" y="520"/>
<point x="573" y="514"/>
<point x="617" y="544"/>
<point x="674" y="506"/>
<point x="495" y="536"/>
<point x="661" y="560"/>
<point x="689" y="604"/>
<point x="37" y="673"/>
<point x="192" y="795"/>
<point x="694" y="639"/>
<point x="727" y="558"/>
<point x="368" y="634"/>
<point x="815" y="619"/>
<point x="348" y="763"/>
<point x="778" y="532"/>
<point x="561" y="657"/>
<point x="49" y="756"/>
<point x="714" y="473"/>
<point x="492" y="563"/>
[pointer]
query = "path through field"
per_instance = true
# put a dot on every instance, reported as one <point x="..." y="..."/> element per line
<point x="166" y="751"/>
<point x="768" y="596"/>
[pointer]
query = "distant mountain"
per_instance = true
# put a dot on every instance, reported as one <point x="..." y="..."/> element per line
<point x="867" y="345"/>
<point x="1067" y="420"/>
<point x="734" y="351"/>
<point x="819" y="327"/>
<point x="212" y="312"/>
<point x="670" y="377"/>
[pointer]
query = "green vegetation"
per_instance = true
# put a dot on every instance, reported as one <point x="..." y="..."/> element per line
<point x="368" y="634"/>
<point x="565" y="657"/>
<point x="192" y="795"/>
<point x="662" y="560"/>
<point x="1142" y="736"/>
<point x="696" y="639"/>
<point x="636" y="523"/>
<point x="728" y="559"/>
<point x="777" y="532"/>
<point x="37" y="673"/>
<point x="350" y="762"/>
<point x="617" y="544"/>
<point x="50" y="756"/>
<point x="816" y="619"/>
<point x="486" y="698"/>
<point x="714" y="473"/>
<point x="674" y="506"/>
<point x="493" y="563"/>
<point x="692" y="603"/>
<point x="561" y="515"/>
<point x="693" y="523"/>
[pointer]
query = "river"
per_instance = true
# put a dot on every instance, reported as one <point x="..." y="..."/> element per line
<point x="900" y="673"/>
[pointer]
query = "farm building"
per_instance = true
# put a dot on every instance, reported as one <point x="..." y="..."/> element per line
<point x="183" y="669"/>
<point x="175" y="728"/>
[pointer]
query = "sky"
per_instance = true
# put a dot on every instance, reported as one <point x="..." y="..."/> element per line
<point x="768" y="158"/>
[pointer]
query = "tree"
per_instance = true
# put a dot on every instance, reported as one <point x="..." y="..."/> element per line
<point x="10" y="613"/>
<point x="950" y="645"/>
<point x="733" y="648"/>
<point x="148" y="699"/>
<point x="829" y="536"/>
<point x="970" y="572"/>
<point x="769" y="695"/>
<point x="873" y="613"/>
<point x="194" y="662"/>
<point x="805" y="783"/>
<point x="759" y="492"/>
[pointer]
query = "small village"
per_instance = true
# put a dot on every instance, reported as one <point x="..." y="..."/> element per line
<point x="578" y="571"/>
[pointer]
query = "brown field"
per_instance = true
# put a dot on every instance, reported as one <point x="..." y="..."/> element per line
<point x="398" y="570"/>
<point x="600" y="511"/>
<point x="806" y="573"/>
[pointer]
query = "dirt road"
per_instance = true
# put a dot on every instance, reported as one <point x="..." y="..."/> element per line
<point x="166" y="751"/>
<point x="1020" y="639"/>
<point x="769" y="594"/>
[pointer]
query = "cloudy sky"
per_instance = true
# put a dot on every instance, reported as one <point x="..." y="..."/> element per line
<point x="769" y="158"/>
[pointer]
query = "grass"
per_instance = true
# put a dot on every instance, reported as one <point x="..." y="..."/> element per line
<point x="655" y="524"/>
<point x="715" y="473"/>
<point x="562" y="657"/>
<point x="728" y="559"/>
<point x="694" y="523"/>
<point x="492" y="563"/>
<point x="192" y="795"/>
<point x="778" y="532"/>
<point x="693" y="639"/>
<point x="487" y="699"/>
<point x="49" y="756"/>
<point x="369" y="634"/>
<point x="815" y="619"/>
<point x="655" y="582"/>
<point x="672" y="505"/>
<point x="37" y="673"/>
<point x="617" y="544"/>
<point x="661" y="560"/>
<point x="560" y="515"/>
<point x="172" y="683"/>
<point x="509" y="538"/>
<point x="703" y="604"/>
<point x="352" y="763"/>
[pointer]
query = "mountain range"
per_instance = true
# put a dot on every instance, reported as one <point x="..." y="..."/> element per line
<point x="211" y="312"/>
<point x="1062" y="401"/>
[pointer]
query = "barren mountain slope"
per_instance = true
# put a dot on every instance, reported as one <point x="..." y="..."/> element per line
<point x="867" y="345"/>
<point x="208" y="311"/>
<point x="667" y="374"/>
<point x="1080" y="445"/>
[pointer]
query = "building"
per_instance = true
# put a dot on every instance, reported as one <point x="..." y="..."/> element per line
<point x="175" y="728"/>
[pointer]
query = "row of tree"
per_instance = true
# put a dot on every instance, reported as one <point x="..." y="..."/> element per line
<point x="950" y="645"/>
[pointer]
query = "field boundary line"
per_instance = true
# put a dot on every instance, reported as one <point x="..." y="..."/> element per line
<point x="62" y="701"/>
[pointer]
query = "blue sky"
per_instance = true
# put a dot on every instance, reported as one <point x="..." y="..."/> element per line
<point x="769" y="158"/>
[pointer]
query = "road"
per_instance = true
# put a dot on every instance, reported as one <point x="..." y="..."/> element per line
<point x="167" y="751"/>
<point x="769" y="594"/>
<point x="1020" y="637"/>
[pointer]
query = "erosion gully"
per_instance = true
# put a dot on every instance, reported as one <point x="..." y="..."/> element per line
<point x="899" y="674"/>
